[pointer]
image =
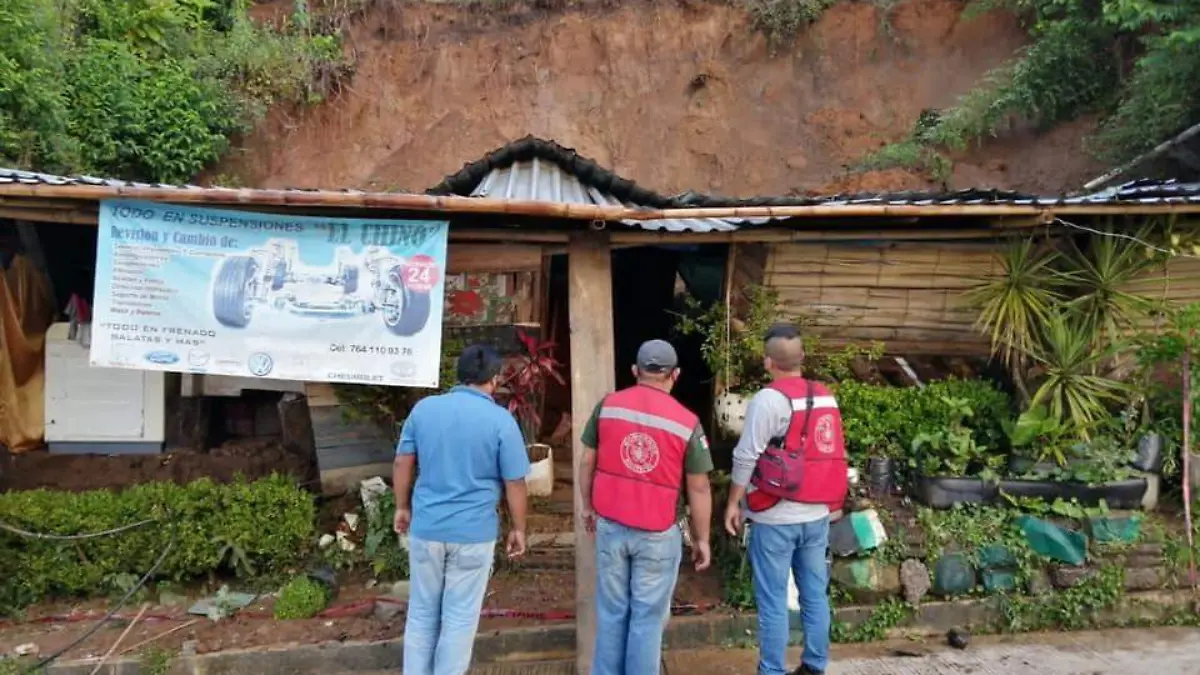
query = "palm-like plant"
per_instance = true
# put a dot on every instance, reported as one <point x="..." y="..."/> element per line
<point x="1015" y="306"/>
<point x="1102" y="307"/>
<point x="1072" y="386"/>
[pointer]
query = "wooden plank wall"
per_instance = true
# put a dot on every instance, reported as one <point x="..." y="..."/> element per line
<point x="907" y="295"/>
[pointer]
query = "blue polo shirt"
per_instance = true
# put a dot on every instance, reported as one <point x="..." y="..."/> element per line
<point x="466" y="447"/>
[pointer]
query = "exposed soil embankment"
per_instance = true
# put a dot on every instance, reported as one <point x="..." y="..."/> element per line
<point x="676" y="96"/>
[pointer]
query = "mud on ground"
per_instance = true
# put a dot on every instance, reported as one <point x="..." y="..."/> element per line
<point x="252" y="459"/>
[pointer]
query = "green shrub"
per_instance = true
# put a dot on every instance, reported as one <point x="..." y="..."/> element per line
<point x="301" y="598"/>
<point x="242" y="527"/>
<point x="146" y="118"/>
<point x="883" y="421"/>
<point x="147" y="89"/>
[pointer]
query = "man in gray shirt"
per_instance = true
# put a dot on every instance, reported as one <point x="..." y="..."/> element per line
<point x="788" y="537"/>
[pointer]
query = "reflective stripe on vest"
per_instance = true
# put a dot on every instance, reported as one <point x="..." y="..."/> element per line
<point x="647" y="420"/>
<point x="821" y="448"/>
<point x="819" y="402"/>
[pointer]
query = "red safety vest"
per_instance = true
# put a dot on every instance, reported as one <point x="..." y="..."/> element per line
<point x="808" y="465"/>
<point x="643" y="437"/>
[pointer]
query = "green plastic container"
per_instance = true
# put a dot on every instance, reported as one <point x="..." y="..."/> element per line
<point x="953" y="575"/>
<point x="858" y="532"/>
<point x="1110" y="529"/>
<point x="999" y="581"/>
<point x="1054" y="542"/>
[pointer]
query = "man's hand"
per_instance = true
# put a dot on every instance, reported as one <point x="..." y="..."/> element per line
<point x="589" y="521"/>
<point x="515" y="547"/>
<point x="402" y="520"/>
<point x="733" y="519"/>
<point x="701" y="555"/>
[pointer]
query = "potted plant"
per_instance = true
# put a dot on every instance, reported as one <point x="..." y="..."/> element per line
<point x="881" y="465"/>
<point x="1051" y="462"/>
<point x="1040" y="442"/>
<point x="873" y="421"/>
<point x="951" y="465"/>
<point x="733" y="350"/>
<point x="523" y="386"/>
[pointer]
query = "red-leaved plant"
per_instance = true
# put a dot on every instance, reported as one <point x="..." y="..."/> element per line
<point x="524" y="382"/>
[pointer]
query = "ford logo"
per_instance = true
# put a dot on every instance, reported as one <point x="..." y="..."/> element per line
<point x="162" y="358"/>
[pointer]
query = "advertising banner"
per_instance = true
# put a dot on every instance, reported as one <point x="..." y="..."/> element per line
<point x="214" y="291"/>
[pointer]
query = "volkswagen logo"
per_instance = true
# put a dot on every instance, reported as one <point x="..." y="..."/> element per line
<point x="260" y="364"/>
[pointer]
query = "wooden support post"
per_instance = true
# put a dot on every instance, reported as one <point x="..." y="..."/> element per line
<point x="590" y="304"/>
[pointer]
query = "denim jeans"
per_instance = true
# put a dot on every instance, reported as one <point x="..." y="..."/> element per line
<point x="446" y="587"/>
<point x="775" y="552"/>
<point x="635" y="580"/>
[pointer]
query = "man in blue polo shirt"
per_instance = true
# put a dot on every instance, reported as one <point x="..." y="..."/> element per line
<point x="467" y="447"/>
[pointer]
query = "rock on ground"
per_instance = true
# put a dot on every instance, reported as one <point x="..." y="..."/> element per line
<point x="915" y="580"/>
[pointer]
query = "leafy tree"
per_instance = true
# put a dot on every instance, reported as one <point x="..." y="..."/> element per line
<point x="146" y="89"/>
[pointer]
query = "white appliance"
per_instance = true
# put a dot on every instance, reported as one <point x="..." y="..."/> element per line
<point x="108" y="411"/>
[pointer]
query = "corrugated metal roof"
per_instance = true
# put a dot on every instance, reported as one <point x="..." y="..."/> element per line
<point x="533" y="170"/>
<point x="520" y="169"/>
<point x="542" y="180"/>
<point x="10" y="176"/>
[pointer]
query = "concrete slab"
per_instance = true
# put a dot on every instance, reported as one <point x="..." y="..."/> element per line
<point x="1161" y="651"/>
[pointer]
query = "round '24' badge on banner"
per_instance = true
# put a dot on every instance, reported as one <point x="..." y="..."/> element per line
<point x="421" y="274"/>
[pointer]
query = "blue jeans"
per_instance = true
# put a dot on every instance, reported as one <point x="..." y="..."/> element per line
<point x="635" y="580"/>
<point x="447" y="583"/>
<point x="776" y="551"/>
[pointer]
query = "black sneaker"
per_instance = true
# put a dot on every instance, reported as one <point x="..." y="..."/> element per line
<point x="805" y="670"/>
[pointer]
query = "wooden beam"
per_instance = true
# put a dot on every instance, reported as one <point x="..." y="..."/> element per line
<point x="625" y="239"/>
<point x="50" y="215"/>
<point x="513" y="235"/>
<point x="298" y="199"/>
<point x="481" y="258"/>
<point x="593" y="375"/>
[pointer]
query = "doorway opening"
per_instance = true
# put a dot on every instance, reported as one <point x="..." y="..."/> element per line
<point x="650" y="288"/>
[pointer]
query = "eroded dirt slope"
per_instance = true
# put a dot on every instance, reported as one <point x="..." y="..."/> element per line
<point x="674" y="95"/>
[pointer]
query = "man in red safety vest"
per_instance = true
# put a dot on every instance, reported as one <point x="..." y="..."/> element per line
<point x="639" y="445"/>
<point x="790" y="465"/>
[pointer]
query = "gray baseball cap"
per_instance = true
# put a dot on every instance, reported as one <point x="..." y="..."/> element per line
<point x="657" y="356"/>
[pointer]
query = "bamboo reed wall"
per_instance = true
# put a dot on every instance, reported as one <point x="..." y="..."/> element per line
<point x="907" y="295"/>
<point x="1176" y="282"/>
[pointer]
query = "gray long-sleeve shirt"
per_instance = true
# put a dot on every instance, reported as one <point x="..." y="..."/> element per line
<point x="768" y="416"/>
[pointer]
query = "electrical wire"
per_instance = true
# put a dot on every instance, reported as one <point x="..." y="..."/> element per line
<point x="1122" y="235"/>
<point x="74" y="537"/>
<point x="37" y="667"/>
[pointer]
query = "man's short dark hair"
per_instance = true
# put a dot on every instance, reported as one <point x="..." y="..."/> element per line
<point x="478" y="364"/>
<point x="781" y="330"/>
<point x="783" y="345"/>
